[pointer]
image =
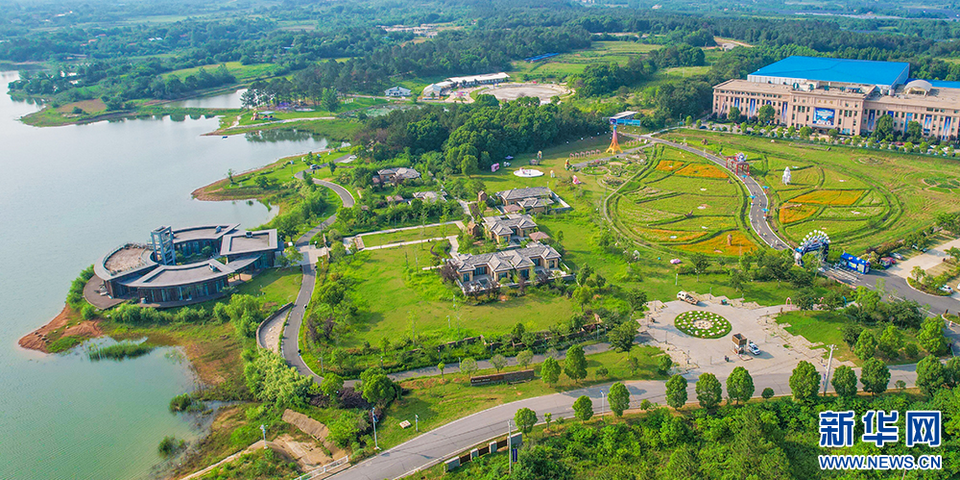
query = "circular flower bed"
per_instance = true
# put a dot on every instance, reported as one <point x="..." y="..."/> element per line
<point x="702" y="324"/>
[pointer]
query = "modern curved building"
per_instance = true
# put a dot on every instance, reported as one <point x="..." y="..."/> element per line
<point x="150" y="274"/>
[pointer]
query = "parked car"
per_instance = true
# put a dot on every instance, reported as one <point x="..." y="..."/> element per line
<point x="947" y="289"/>
<point x="897" y="256"/>
<point x="754" y="349"/>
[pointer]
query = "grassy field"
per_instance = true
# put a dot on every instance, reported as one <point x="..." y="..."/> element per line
<point x="243" y="73"/>
<point x="825" y="328"/>
<point x="440" y="400"/>
<point x="860" y="197"/>
<point x="410" y="235"/>
<point x="683" y="202"/>
<point x="352" y="103"/>
<point x="565" y="64"/>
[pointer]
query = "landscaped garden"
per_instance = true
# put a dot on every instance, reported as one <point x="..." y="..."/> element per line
<point x="684" y="202"/>
<point x="861" y="197"/>
<point x="702" y="324"/>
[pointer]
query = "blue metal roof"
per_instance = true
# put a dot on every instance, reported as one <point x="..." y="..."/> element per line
<point x="836" y="70"/>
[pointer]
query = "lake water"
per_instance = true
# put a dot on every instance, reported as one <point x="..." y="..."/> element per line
<point x="67" y="195"/>
<point x="227" y="100"/>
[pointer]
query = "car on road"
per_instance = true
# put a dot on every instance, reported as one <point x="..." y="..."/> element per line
<point x="754" y="349"/>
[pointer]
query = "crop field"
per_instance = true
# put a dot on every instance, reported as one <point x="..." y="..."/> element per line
<point x="860" y="197"/>
<point x="682" y="202"/>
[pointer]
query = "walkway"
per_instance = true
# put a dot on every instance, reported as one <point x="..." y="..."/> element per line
<point x="289" y="346"/>
<point x="759" y="204"/>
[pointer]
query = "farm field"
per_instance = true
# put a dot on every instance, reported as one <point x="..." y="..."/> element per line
<point x="860" y="197"/>
<point x="682" y="202"/>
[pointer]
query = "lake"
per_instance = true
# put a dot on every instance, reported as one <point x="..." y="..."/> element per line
<point x="67" y="196"/>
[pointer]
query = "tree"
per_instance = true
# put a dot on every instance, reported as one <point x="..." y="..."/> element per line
<point x="700" y="263"/>
<point x="619" y="398"/>
<point x="676" y="391"/>
<point x="805" y="132"/>
<point x="583" y="295"/>
<point x="468" y="366"/>
<point x="330" y="100"/>
<point x="891" y="340"/>
<point x="740" y="385"/>
<point x="525" y="357"/>
<point x="377" y="388"/>
<point x="866" y="346"/>
<point x="709" y="391"/>
<point x="469" y="165"/>
<point x="331" y="385"/>
<point x="844" y="382"/>
<point x="734" y="115"/>
<point x="525" y="420"/>
<point x="930" y="375"/>
<point x="575" y="365"/>
<point x="441" y="366"/>
<point x="874" y="376"/>
<point x="498" y="361"/>
<point x="951" y="372"/>
<point x="547" y="418"/>
<point x="954" y="253"/>
<point x="931" y="336"/>
<point x="664" y="364"/>
<point x="884" y="128"/>
<point x="550" y="371"/>
<point x="271" y="380"/>
<point x="804" y="382"/>
<point x="621" y="338"/>
<point x="918" y="274"/>
<point x="766" y="114"/>
<point x="767" y="393"/>
<point x="637" y="299"/>
<point x="583" y="408"/>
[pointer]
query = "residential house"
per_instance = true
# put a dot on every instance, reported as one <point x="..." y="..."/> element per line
<point x="530" y="199"/>
<point x="481" y="273"/>
<point x="429" y="197"/>
<point x="395" y="176"/>
<point x="511" y="227"/>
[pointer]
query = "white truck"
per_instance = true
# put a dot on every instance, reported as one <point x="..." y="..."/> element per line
<point x="686" y="297"/>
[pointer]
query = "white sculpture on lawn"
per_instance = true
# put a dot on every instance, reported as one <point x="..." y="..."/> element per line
<point x="786" y="176"/>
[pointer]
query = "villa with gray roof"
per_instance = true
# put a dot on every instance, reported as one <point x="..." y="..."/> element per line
<point x="529" y="200"/>
<point x="509" y="228"/>
<point x="395" y="176"/>
<point x="151" y="275"/>
<point x="481" y="273"/>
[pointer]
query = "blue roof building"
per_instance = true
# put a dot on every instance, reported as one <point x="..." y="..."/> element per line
<point x="799" y="70"/>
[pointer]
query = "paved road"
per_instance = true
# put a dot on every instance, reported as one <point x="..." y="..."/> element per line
<point x="434" y="446"/>
<point x="289" y="346"/>
<point x="758" y="204"/>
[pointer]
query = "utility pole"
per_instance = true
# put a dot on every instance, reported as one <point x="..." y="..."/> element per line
<point x="826" y="379"/>
<point x="509" y="450"/>
<point x="373" y="416"/>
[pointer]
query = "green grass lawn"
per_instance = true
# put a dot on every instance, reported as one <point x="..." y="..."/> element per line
<point x="825" y="328"/>
<point x="410" y="235"/>
<point x="896" y="199"/>
<point x="560" y="66"/>
<point x="439" y="401"/>
<point x="243" y="73"/>
<point x="276" y="286"/>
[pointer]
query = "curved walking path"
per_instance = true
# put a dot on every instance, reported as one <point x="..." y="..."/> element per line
<point x="759" y="201"/>
<point x="289" y="347"/>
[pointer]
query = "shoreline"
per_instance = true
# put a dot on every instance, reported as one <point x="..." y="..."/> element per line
<point x="71" y="325"/>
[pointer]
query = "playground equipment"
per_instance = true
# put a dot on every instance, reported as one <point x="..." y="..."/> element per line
<point x="614" y="147"/>
<point x="815" y="241"/>
<point x="738" y="164"/>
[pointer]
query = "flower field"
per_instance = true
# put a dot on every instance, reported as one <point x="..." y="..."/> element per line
<point x="702" y="324"/>
<point x="702" y="170"/>
<point x="830" y="197"/>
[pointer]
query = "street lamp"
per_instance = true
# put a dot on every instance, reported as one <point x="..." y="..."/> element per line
<point x="373" y="416"/>
<point x="601" y="402"/>
<point x="416" y="419"/>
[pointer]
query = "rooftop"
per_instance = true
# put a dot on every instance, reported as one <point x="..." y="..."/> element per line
<point x="521" y="193"/>
<point x="503" y="225"/>
<point x="400" y="172"/>
<point x="179" y="275"/>
<point x="837" y="70"/>
<point x="203" y="232"/>
<point x="249" y="242"/>
<point x="506" y="260"/>
<point x="124" y="259"/>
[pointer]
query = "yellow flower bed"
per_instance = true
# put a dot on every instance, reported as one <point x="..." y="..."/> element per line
<point x="669" y="165"/>
<point x="702" y="170"/>
<point x="717" y="245"/>
<point x="795" y="212"/>
<point x="830" y="197"/>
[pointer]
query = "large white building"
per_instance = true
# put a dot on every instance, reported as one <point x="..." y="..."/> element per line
<point x="440" y="89"/>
